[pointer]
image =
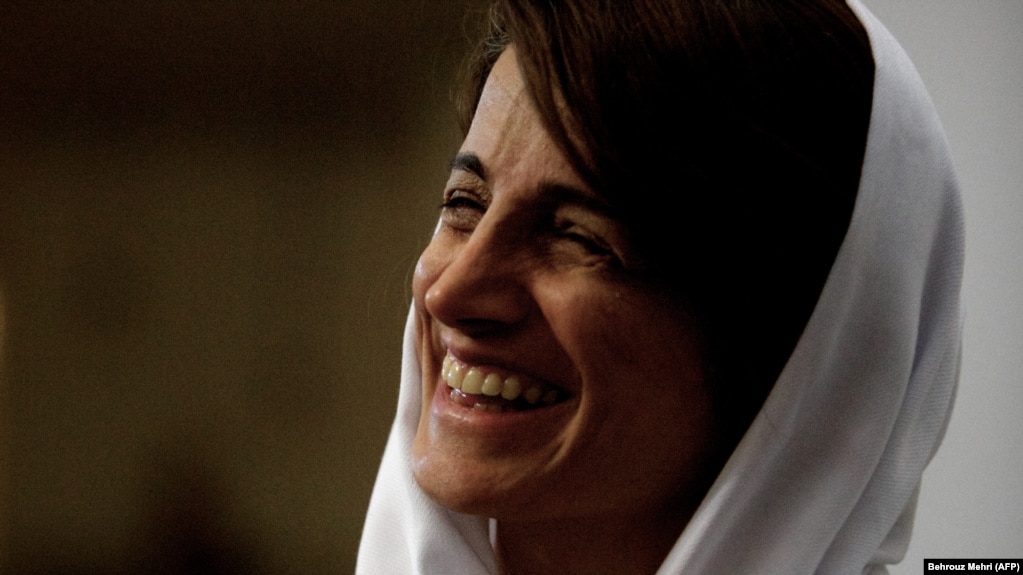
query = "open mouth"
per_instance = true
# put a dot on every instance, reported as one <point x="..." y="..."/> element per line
<point x="482" y="390"/>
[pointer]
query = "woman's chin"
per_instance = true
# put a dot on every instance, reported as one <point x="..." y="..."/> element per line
<point x="465" y="487"/>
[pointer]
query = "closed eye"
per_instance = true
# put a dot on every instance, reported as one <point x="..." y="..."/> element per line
<point x="588" y="241"/>
<point x="459" y="202"/>
<point x="462" y="210"/>
<point x="591" y="244"/>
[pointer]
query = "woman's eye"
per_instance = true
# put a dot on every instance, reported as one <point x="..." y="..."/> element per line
<point x="591" y="243"/>
<point x="461" y="210"/>
<point x="460" y="202"/>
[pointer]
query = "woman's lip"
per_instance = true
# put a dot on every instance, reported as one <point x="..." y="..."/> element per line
<point x="508" y="425"/>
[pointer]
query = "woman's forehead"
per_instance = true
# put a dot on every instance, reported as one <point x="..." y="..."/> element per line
<point x="507" y="137"/>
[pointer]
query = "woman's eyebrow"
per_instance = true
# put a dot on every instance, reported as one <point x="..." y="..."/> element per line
<point x="469" y="162"/>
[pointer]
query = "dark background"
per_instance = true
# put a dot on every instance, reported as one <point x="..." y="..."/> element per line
<point x="209" y="213"/>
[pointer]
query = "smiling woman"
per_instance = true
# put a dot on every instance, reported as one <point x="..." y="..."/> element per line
<point x="691" y="305"/>
<point x="514" y="287"/>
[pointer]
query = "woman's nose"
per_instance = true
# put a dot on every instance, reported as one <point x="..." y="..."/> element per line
<point x="476" y="285"/>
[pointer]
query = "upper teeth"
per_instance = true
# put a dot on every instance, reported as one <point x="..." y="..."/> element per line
<point x="472" y="380"/>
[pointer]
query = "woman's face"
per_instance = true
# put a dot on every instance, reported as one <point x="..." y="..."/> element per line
<point x="581" y="386"/>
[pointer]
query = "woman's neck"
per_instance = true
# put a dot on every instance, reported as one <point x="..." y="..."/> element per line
<point x="605" y="545"/>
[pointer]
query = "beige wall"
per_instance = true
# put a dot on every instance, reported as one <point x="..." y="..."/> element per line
<point x="208" y="217"/>
<point x="970" y="55"/>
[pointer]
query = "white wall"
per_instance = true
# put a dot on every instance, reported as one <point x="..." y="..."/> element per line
<point x="970" y="54"/>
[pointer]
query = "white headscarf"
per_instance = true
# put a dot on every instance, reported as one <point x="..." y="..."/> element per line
<point x="825" y="480"/>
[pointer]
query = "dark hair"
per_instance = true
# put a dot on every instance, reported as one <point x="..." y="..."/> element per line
<point x="729" y="134"/>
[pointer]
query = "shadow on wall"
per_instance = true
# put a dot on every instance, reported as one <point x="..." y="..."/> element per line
<point x="208" y="218"/>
